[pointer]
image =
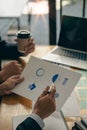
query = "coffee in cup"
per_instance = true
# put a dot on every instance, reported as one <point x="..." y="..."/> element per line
<point x="22" y="38"/>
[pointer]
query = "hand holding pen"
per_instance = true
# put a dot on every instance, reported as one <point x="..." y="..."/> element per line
<point x="45" y="104"/>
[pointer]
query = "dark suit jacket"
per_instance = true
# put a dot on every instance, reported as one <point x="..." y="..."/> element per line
<point x="29" y="124"/>
<point x="8" y="51"/>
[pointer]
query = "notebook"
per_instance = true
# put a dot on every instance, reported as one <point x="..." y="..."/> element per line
<point x="71" y="49"/>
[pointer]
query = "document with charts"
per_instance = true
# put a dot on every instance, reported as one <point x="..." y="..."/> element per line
<point x="39" y="73"/>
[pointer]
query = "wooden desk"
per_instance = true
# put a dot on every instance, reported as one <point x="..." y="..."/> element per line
<point x="13" y="105"/>
<point x="12" y="9"/>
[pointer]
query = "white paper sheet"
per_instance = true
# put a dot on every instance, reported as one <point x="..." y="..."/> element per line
<point x="38" y="74"/>
<point x="51" y="123"/>
<point x="71" y="106"/>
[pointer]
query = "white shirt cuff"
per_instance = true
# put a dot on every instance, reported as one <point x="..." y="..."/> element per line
<point x="37" y="119"/>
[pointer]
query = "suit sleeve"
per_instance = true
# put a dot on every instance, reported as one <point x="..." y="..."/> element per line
<point x="29" y="124"/>
<point x="9" y="51"/>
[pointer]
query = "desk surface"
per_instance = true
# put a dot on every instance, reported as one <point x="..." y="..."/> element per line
<point x="12" y="8"/>
<point x="13" y="105"/>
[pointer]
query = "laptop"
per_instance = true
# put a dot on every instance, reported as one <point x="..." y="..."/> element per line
<point x="71" y="49"/>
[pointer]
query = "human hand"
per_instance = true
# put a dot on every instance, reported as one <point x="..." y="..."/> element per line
<point x="45" y="104"/>
<point x="9" y="84"/>
<point x="30" y="47"/>
<point x="9" y="69"/>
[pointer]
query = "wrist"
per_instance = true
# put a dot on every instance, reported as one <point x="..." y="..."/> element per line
<point x="39" y="114"/>
<point x="37" y="119"/>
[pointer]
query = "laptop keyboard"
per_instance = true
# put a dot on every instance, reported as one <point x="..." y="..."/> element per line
<point x="72" y="54"/>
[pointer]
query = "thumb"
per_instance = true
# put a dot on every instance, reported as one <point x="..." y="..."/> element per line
<point x="44" y="92"/>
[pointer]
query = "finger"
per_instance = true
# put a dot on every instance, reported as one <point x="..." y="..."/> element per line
<point x="13" y="62"/>
<point x="28" y="48"/>
<point x="45" y="91"/>
<point x="31" y="40"/>
<point x="19" y="80"/>
<point x="8" y="92"/>
<point x="20" y="67"/>
<point x="15" y="76"/>
<point x="18" y="64"/>
<point x="30" y="45"/>
<point x="27" y="51"/>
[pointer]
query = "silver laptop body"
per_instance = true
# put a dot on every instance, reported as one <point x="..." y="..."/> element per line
<point x="72" y="44"/>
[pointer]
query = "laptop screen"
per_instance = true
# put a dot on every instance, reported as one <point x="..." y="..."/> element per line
<point x="73" y="34"/>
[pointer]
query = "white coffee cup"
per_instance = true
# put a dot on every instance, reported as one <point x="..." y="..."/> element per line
<point x="23" y="37"/>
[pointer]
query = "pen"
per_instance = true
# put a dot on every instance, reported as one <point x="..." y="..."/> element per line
<point x="54" y="78"/>
<point x="50" y="87"/>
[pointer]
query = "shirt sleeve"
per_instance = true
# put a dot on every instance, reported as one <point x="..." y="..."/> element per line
<point x="37" y="119"/>
<point x="33" y="122"/>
